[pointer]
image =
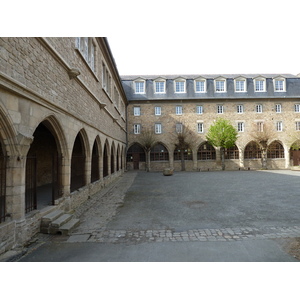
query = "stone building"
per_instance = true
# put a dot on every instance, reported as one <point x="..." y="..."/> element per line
<point x="62" y="128"/>
<point x="166" y="105"/>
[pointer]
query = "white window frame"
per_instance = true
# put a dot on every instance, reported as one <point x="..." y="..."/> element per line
<point x="199" y="109"/>
<point x="278" y="108"/>
<point x="260" y="84"/>
<point x="279" y="88"/>
<point x="241" y="126"/>
<point x="240" y="108"/>
<point x="219" y="89"/>
<point x="237" y="88"/>
<point x="178" y="110"/>
<point x="260" y="126"/>
<point x="202" y="88"/>
<point x="157" y="110"/>
<point x="139" y="86"/>
<point x="200" y="127"/>
<point x="157" y="87"/>
<point x="181" y="88"/>
<point x="258" y="108"/>
<point x="297" y="124"/>
<point x="179" y="128"/>
<point x="136" y="111"/>
<point x="87" y="48"/>
<point x="157" y="128"/>
<point x="136" y="128"/>
<point x="279" y="126"/>
<point x="220" y="109"/>
<point x="297" y="108"/>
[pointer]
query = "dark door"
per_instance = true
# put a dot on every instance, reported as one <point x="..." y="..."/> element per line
<point x="136" y="160"/>
<point x="296" y="157"/>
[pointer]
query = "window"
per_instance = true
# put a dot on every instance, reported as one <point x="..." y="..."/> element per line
<point x="260" y="126"/>
<point x="187" y="154"/>
<point x="241" y="126"/>
<point x="178" y="110"/>
<point x="278" y="108"/>
<point x="220" y="86"/>
<point x="260" y="85"/>
<point x="160" y="87"/>
<point x="159" y="152"/>
<point x="157" y="110"/>
<point x="200" y="127"/>
<point x="297" y="108"/>
<point x="139" y="87"/>
<point x="136" y="111"/>
<point x="258" y="108"/>
<point x="240" y="108"/>
<point x="275" y="150"/>
<point x="279" y="85"/>
<point x="137" y="128"/>
<point x="157" y="128"/>
<point x="252" y="151"/>
<point x="86" y="47"/>
<point x="200" y="86"/>
<point x="232" y="153"/>
<point x="279" y="126"/>
<point x="179" y="128"/>
<point x="297" y="126"/>
<point x="206" y="152"/>
<point x="220" y="109"/>
<point x="180" y="86"/>
<point x="240" y="85"/>
<point x="199" y="109"/>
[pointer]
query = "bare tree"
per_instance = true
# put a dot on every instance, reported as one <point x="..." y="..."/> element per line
<point x="262" y="133"/>
<point x="147" y="140"/>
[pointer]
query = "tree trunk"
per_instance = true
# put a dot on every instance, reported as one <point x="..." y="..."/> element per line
<point x="182" y="160"/>
<point x="222" y="150"/>
<point x="148" y="160"/>
<point x="264" y="159"/>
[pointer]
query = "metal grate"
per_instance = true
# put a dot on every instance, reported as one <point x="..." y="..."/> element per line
<point x="30" y="186"/>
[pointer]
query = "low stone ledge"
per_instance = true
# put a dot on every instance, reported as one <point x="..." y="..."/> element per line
<point x="295" y="168"/>
<point x="168" y="172"/>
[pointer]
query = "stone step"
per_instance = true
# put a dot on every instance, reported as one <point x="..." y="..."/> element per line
<point x="67" y="227"/>
<point x="56" y="224"/>
<point x="48" y="219"/>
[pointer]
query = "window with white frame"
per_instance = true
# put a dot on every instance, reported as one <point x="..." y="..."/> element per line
<point x="297" y="108"/>
<point x="278" y="108"/>
<point x="260" y="126"/>
<point x="179" y="128"/>
<point x="297" y="125"/>
<point x="199" y="109"/>
<point x="241" y="126"/>
<point x="200" y="86"/>
<point x="137" y="128"/>
<point x="157" y="110"/>
<point x="258" y="108"/>
<point x="260" y="85"/>
<point x="157" y="128"/>
<point x="178" y="110"/>
<point x="279" y="125"/>
<point x="136" y="111"/>
<point x="279" y="85"/>
<point x="86" y="47"/>
<point x="220" y="109"/>
<point x="139" y="87"/>
<point x="179" y="86"/>
<point x="160" y="87"/>
<point x="240" y="108"/>
<point x="220" y="86"/>
<point x="200" y="127"/>
<point x="240" y="85"/>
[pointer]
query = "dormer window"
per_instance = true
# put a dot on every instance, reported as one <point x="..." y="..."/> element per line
<point x="139" y="86"/>
<point x="180" y="85"/>
<point x="200" y="85"/>
<point x="240" y="84"/>
<point x="220" y="85"/>
<point x="279" y="84"/>
<point x="160" y="86"/>
<point x="260" y="84"/>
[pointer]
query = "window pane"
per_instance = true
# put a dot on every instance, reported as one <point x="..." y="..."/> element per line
<point x="159" y="86"/>
<point x="179" y="87"/>
<point x="199" y="109"/>
<point x="157" y="110"/>
<point x="240" y="85"/>
<point x="259" y="85"/>
<point x="220" y="86"/>
<point x="139" y="87"/>
<point x="200" y="87"/>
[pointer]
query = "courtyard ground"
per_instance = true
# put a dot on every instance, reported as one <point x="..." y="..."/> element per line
<point x="190" y="217"/>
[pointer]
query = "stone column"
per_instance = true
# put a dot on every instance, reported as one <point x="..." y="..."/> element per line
<point x="287" y="157"/>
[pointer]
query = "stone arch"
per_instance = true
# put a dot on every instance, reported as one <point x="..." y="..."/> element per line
<point x="232" y="153"/>
<point x="135" y="154"/>
<point x="96" y="160"/>
<point x="206" y="152"/>
<point x="118" y="158"/>
<point x="252" y="150"/>
<point x="294" y="153"/>
<point x="275" y="150"/>
<point x="159" y="152"/>
<point x="106" y="154"/>
<point x="112" y="158"/>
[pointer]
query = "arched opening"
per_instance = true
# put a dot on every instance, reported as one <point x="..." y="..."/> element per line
<point x="43" y="169"/>
<point x="232" y="153"/>
<point x="206" y="152"/>
<point x="135" y="154"/>
<point x="105" y="161"/>
<point x="252" y="151"/>
<point x="112" y="159"/>
<point x="118" y="157"/>
<point x="2" y="184"/>
<point x="95" y="170"/>
<point x="159" y="152"/>
<point x="275" y="150"/>
<point x="187" y="154"/>
<point x="295" y="153"/>
<point x="78" y="164"/>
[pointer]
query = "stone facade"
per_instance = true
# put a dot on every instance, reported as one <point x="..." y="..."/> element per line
<point x="276" y="107"/>
<point x="63" y="127"/>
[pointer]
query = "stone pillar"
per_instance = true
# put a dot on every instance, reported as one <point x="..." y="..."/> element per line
<point x="287" y="157"/>
<point x="195" y="161"/>
<point x="241" y="156"/>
